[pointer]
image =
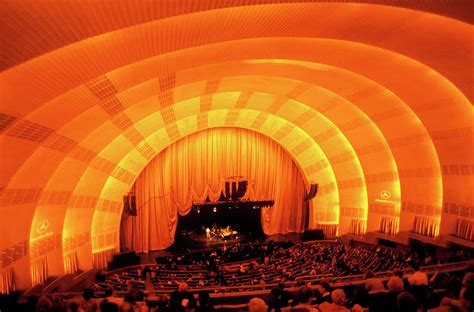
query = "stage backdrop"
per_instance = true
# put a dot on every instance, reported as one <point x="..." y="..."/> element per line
<point x="196" y="167"/>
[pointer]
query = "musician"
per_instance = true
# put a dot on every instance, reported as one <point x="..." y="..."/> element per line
<point x="208" y="233"/>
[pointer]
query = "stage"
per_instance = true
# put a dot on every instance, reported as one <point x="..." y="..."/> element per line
<point x="197" y="242"/>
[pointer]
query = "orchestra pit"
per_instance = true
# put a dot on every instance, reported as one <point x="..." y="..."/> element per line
<point x="236" y="155"/>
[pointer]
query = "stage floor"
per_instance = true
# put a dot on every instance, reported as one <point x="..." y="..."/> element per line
<point x="195" y="243"/>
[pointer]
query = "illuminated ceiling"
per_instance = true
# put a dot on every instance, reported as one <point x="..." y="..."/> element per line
<point x="367" y="96"/>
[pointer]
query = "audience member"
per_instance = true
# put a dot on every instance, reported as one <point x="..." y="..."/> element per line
<point x="304" y="298"/>
<point x="110" y="296"/>
<point x="257" y="305"/>
<point x="325" y="293"/>
<point x="406" y="302"/>
<point x="181" y="299"/>
<point x="88" y="304"/>
<point x="395" y="283"/>
<point x="134" y="294"/>
<point x="44" y="304"/>
<point x="418" y="278"/>
<point x="338" y="301"/>
<point x="373" y="283"/>
<point x="274" y="299"/>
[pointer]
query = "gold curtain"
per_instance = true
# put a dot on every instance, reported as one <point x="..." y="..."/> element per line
<point x="101" y="258"/>
<point x="465" y="229"/>
<point x="39" y="270"/>
<point x="425" y="226"/>
<point x="196" y="167"/>
<point x="71" y="264"/>
<point x="389" y="225"/>
<point x="7" y="283"/>
<point x="329" y="230"/>
<point x="357" y="227"/>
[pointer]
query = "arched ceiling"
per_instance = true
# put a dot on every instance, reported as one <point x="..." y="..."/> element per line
<point x="366" y="96"/>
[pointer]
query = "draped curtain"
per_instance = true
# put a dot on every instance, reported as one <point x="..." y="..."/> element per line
<point x="389" y="225"/>
<point x="465" y="229"/>
<point x="7" y="282"/>
<point x="357" y="227"/>
<point x="39" y="270"/>
<point x="425" y="226"/>
<point x="329" y="230"/>
<point x="71" y="263"/>
<point x="101" y="258"/>
<point x="196" y="167"/>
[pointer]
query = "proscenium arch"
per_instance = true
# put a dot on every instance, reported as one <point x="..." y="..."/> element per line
<point x="218" y="122"/>
<point x="190" y="108"/>
<point x="127" y="188"/>
<point x="154" y="116"/>
<point x="432" y="19"/>
<point x="294" y="138"/>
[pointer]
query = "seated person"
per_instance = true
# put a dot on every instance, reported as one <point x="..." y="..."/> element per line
<point x="338" y="297"/>
<point x="373" y="283"/>
<point x="406" y="302"/>
<point x="257" y="305"/>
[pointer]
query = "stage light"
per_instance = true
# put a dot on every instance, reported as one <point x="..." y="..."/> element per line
<point x="214" y="209"/>
<point x="199" y="210"/>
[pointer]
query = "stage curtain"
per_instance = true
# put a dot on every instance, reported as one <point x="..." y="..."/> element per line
<point x="196" y="167"/>
<point x="329" y="230"/>
<point x="388" y="225"/>
<point x="39" y="270"/>
<point x="7" y="283"/>
<point x="425" y="226"/>
<point x="71" y="264"/>
<point x="357" y="227"/>
<point x="101" y="259"/>
<point x="465" y="229"/>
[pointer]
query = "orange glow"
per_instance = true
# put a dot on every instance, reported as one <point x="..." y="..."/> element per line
<point x="362" y="96"/>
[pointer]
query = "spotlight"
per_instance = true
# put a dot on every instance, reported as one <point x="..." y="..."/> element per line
<point x="198" y="210"/>
<point x="214" y="209"/>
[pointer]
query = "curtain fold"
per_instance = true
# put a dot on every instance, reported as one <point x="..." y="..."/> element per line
<point x="465" y="229"/>
<point x="357" y="227"/>
<point x="7" y="281"/>
<point x="102" y="258"/>
<point x="71" y="264"/>
<point x="39" y="270"/>
<point x="196" y="168"/>
<point x="389" y="225"/>
<point x="425" y="226"/>
<point x="329" y="230"/>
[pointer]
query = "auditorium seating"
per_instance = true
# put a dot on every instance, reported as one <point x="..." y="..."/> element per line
<point x="302" y="263"/>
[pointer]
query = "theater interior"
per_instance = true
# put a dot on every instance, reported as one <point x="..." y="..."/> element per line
<point x="233" y="151"/>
